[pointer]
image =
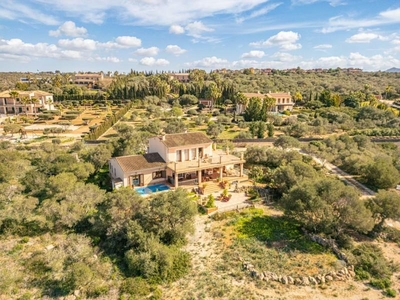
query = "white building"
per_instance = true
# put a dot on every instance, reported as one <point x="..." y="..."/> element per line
<point x="174" y="158"/>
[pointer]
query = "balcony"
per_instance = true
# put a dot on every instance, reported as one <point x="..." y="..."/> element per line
<point x="217" y="160"/>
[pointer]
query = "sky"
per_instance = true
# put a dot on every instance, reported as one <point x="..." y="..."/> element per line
<point x="172" y="35"/>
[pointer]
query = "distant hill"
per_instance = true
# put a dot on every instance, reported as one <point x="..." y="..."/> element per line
<point x="393" y="70"/>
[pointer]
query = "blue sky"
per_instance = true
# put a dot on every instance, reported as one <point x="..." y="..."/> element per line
<point x="109" y="35"/>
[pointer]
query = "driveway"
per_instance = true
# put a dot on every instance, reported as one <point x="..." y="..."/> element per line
<point x="342" y="175"/>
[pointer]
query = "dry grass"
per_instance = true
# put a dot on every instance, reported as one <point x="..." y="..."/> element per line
<point x="217" y="272"/>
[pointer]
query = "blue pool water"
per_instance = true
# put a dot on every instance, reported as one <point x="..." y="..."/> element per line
<point x="147" y="190"/>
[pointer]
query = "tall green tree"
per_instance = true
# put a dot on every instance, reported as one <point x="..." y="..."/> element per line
<point x="327" y="206"/>
<point x="253" y="110"/>
<point x="385" y="205"/>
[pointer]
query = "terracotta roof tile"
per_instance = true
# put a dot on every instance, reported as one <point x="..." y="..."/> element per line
<point x="186" y="139"/>
<point x="140" y="162"/>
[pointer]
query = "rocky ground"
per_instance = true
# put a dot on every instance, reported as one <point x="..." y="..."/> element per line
<point x="210" y="278"/>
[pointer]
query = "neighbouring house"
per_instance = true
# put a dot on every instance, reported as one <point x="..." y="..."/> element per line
<point x="181" y="77"/>
<point x="23" y="102"/>
<point x="91" y="80"/>
<point x="207" y="103"/>
<point x="283" y="101"/>
<point x="176" y="159"/>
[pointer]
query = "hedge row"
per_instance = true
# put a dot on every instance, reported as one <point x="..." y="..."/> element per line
<point x="377" y="132"/>
<point x="109" y="122"/>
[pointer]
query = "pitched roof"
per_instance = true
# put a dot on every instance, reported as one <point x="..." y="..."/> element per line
<point x="278" y="94"/>
<point x="272" y="95"/>
<point x="6" y="94"/>
<point x="140" y="162"/>
<point x="251" y="95"/>
<point x="185" y="139"/>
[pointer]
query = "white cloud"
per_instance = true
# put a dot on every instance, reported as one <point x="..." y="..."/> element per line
<point x="176" y="29"/>
<point x="175" y="50"/>
<point x="259" y="12"/>
<point x="210" y="62"/>
<point x="13" y="10"/>
<point x="69" y="29"/>
<point x="391" y="16"/>
<point x="354" y="59"/>
<point x="323" y="46"/>
<point x="111" y="59"/>
<point x="78" y="43"/>
<point x="151" y="61"/>
<point x="128" y="41"/>
<point x="285" y="40"/>
<point x="285" y="57"/>
<point x="152" y="51"/>
<point x="150" y="12"/>
<point x="363" y="37"/>
<point x="196" y="29"/>
<point x="331" y="2"/>
<point x="71" y="54"/>
<point x="132" y="60"/>
<point x="245" y="63"/>
<point x="253" y="54"/>
<point x="16" y="48"/>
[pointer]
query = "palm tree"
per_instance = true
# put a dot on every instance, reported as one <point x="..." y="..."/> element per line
<point x="25" y="100"/>
<point x="60" y="107"/>
<point x="241" y="102"/>
<point x="48" y="102"/>
<point x="34" y="101"/>
<point x="14" y="96"/>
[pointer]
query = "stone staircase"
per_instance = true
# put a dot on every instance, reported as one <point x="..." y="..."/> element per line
<point x="212" y="187"/>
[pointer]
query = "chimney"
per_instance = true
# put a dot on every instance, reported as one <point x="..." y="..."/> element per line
<point x="163" y="137"/>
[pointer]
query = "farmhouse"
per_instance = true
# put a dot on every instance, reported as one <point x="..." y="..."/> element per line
<point x="283" y="101"/>
<point x="175" y="159"/>
<point x="25" y="102"/>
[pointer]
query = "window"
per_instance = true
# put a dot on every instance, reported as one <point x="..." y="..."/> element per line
<point x="158" y="174"/>
<point x="135" y="180"/>
<point x="193" y="154"/>
<point x="186" y="151"/>
<point x="179" y="155"/>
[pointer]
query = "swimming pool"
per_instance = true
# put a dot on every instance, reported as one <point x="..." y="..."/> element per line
<point x="147" y="190"/>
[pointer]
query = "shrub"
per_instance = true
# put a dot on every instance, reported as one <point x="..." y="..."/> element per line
<point x="211" y="201"/>
<point x="391" y="293"/>
<point x="135" y="286"/>
<point x="46" y="117"/>
<point x="69" y="117"/>
<point x="192" y="112"/>
<point x="381" y="284"/>
<point x="370" y="262"/>
<point x="56" y="141"/>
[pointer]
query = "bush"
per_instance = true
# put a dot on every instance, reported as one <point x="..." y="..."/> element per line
<point x="381" y="284"/>
<point x="56" y="141"/>
<point x="370" y="262"/>
<point x="211" y="201"/>
<point x="135" y="287"/>
<point x="391" y="293"/>
<point x="46" y="117"/>
<point x="69" y="117"/>
<point x="192" y="112"/>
